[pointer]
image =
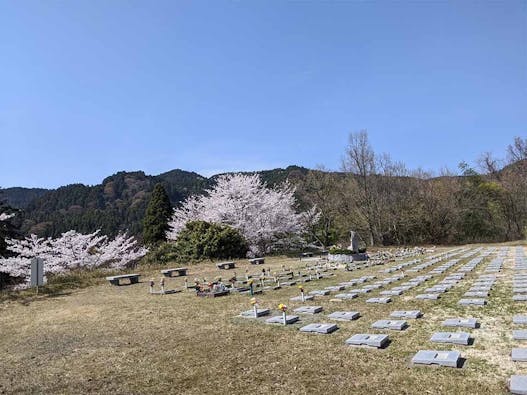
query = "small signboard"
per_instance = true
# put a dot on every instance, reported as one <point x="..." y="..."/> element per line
<point x="37" y="272"/>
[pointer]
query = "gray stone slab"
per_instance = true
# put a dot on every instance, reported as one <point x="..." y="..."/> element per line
<point x="319" y="328"/>
<point x="344" y="315"/>
<point x="335" y="288"/>
<point x="476" y="294"/>
<point x="461" y="322"/>
<point x="519" y="319"/>
<point x="472" y="302"/>
<point x="396" y="325"/>
<point x="520" y="297"/>
<point x="392" y="292"/>
<point x="427" y="296"/>
<point x="441" y="358"/>
<point x="299" y="298"/>
<point x="462" y="338"/>
<point x="518" y="290"/>
<point x="518" y="385"/>
<point x="346" y="296"/>
<point x="519" y="354"/>
<point x="259" y="313"/>
<point x="319" y="292"/>
<point x="368" y="339"/>
<point x="519" y="334"/>
<point x="379" y="300"/>
<point x="407" y="314"/>
<point x="308" y="309"/>
<point x="277" y="319"/>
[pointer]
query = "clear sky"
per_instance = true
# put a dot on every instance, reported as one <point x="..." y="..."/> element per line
<point x="92" y="87"/>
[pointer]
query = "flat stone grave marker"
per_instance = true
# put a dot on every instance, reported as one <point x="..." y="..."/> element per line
<point x="319" y="328"/>
<point x="379" y="300"/>
<point x="308" y="309"/>
<point x="319" y="292"/>
<point x="519" y="290"/>
<point x="519" y="297"/>
<point x="518" y="385"/>
<point x="370" y="340"/>
<point x="441" y="358"/>
<point x="461" y="322"/>
<point x="519" y="319"/>
<point x="299" y="298"/>
<point x="519" y="354"/>
<point x="395" y="325"/>
<point x="259" y="313"/>
<point x="427" y="296"/>
<point x="407" y="314"/>
<point x="519" y="334"/>
<point x="480" y="294"/>
<point x="346" y="296"/>
<point x="472" y="302"/>
<point x="436" y="289"/>
<point x="278" y="319"/>
<point x="335" y="288"/>
<point x="344" y="315"/>
<point x="462" y="338"/>
<point x="393" y="292"/>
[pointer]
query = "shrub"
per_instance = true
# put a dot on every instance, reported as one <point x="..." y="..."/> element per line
<point x="204" y="240"/>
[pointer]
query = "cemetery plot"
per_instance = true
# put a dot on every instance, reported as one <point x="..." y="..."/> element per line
<point x="370" y="340"/>
<point x="396" y="325"/>
<point x="344" y="315"/>
<point x="462" y="338"/>
<point x="518" y="385"/>
<point x="441" y="358"/>
<point x="319" y="328"/>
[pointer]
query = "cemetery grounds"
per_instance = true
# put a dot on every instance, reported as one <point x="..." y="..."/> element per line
<point x="122" y="340"/>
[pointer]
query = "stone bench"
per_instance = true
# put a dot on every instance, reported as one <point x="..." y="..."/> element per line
<point x="257" y="261"/>
<point x="115" y="280"/>
<point x="181" y="271"/>
<point x="225" y="265"/>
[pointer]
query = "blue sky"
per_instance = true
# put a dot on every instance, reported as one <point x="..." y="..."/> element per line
<point x="89" y="88"/>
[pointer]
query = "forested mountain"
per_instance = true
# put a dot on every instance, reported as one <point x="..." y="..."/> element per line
<point x="382" y="200"/>
<point x="117" y="204"/>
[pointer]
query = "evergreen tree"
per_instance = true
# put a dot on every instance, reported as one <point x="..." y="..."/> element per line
<point x="157" y="216"/>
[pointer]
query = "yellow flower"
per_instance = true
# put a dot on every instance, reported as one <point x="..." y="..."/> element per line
<point x="253" y="301"/>
<point x="282" y="307"/>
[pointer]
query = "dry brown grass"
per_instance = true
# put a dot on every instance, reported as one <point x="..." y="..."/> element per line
<point x="122" y="340"/>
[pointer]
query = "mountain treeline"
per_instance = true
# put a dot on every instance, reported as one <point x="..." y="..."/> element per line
<point x="386" y="203"/>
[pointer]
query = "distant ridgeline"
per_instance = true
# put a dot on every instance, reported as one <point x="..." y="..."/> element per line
<point x="399" y="208"/>
<point x="118" y="204"/>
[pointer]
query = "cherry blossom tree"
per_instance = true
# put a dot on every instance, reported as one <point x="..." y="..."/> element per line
<point x="70" y="251"/>
<point x="266" y="217"/>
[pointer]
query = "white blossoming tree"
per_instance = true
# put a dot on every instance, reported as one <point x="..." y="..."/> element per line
<point x="70" y="251"/>
<point x="265" y="217"/>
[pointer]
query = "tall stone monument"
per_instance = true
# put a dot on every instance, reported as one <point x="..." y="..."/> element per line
<point x="354" y="242"/>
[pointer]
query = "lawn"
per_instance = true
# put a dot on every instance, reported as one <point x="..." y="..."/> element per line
<point x="103" y="339"/>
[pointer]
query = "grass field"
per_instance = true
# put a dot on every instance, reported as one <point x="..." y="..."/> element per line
<point x="106" y="339"/>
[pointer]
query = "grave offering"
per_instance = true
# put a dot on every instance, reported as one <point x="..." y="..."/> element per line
<point x="319" y="328"/>
<point x="303" y="297"/>
<point x="368" y="339"/>
<point x="283" y="319"/>
<point x="518" y="385"/>
<point x="441" y="358"/>
<point x="519" y="354"/>
<point x="407" y="314"/>
<point x="461" y="338"/>
<point x="461" y="322"/>
<point x="396" y="325"/>
<point x="344" y="315"/>
<point x="379" y="300"/>
<point x="308" y="309"/>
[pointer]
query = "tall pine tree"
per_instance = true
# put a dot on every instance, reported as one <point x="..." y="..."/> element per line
<point x="158" y="213"/>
